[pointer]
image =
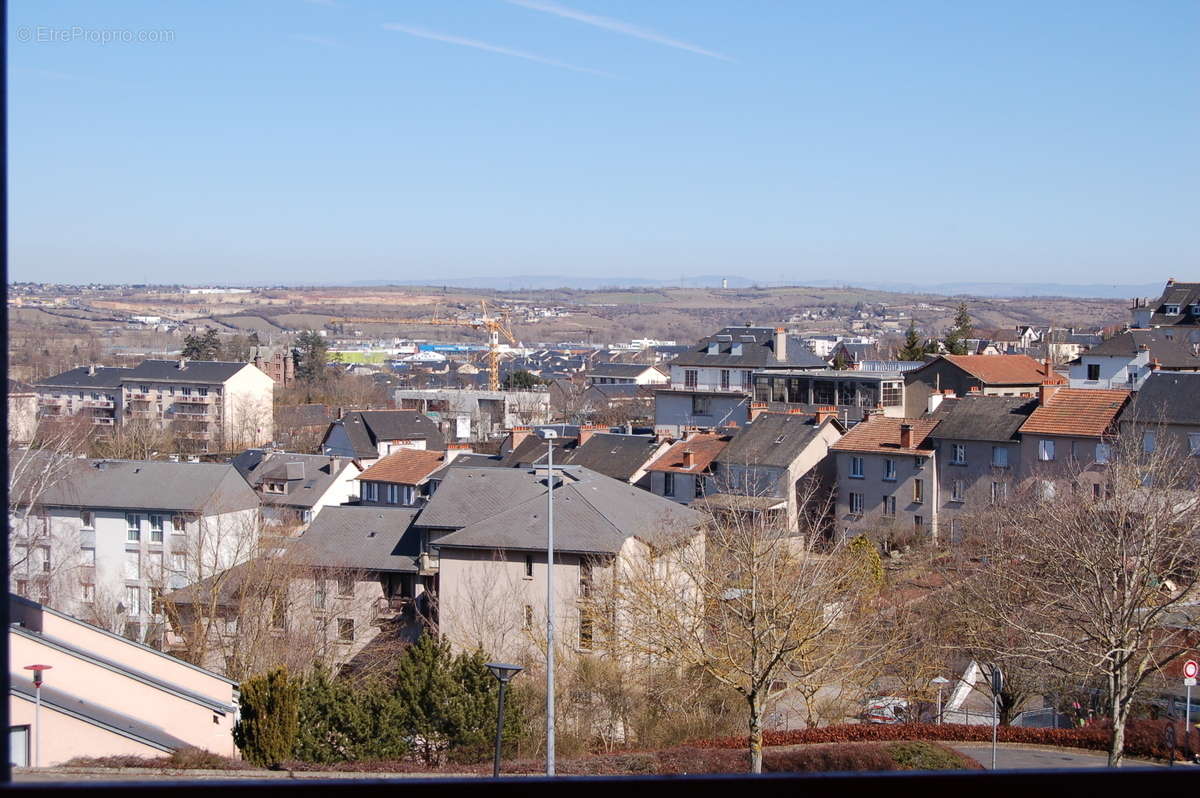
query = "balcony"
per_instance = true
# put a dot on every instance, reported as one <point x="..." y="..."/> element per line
<point x="101" y="404"/>
<point x="51" y="401"/>
<point x="186" y="409"/>
<point x="195" y="400"/>
<point x="390" y="607"/>
<point x="139" y="397"/>
<point x="104" y="421"/>
<point x="429" y="564"/>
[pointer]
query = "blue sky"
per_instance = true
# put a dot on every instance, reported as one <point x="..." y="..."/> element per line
<point x="294" y="141"/>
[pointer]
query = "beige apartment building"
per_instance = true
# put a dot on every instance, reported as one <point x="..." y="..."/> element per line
<point x="207" y="405"/>
<point x="105" y="695"/>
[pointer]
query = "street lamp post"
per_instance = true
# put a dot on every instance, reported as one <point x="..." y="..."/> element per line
<point x="549" y="436"/>
<point x="939" y="682"/>
<point x="38" y="670"/>
<point x="503" y="674"/>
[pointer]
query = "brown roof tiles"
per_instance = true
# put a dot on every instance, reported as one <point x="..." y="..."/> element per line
<point x="703" y="448"/>
<point x="1083" y="412"/>
<point x="880" y="434"/>
<point x="405" y="466"/>
<point x="1005" y="369"/>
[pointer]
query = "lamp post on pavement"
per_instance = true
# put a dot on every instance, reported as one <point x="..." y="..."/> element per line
<point x="939" y="682"/>
<point x="549" y="436"/>
<point x="503" y="674"/>
<point x="38" y="670"/>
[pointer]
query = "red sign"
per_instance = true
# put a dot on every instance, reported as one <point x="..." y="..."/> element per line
<point x="1190" y="669"/>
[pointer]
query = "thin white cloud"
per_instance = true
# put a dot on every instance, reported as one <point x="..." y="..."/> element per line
<point x="615" y="25"/>
<point x="423" y="33"/>
<point x="308" y="38"/>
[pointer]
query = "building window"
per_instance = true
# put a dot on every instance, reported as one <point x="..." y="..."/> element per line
<point x="345" y="586"/>
<point x="689" y="378"/>
<point x="1194" y="443"/>
<point x="87" y="557"/>
<point x="699" y="486"/>
<point x="133" y="565"/>
<point x="1093" y="372"/>
<point x="407" y="494"/>
<point x="202" y="391"/>
<point x="957" y="490"/>
<point x="999" y="491"/>
<point x="319" y="594"/>
<point x="999" y="457"/>
<point x="856" y="504"/>
<point x="1045" y="449"/>
<point x="1171" y="310"/>
<point x="527" y="621"/>
<point x="668" y="483"/>
<point x="724" y="379"/>
<point x="585" y="579"/>
<point x="87" y="519"/>
<point x="918" y="491"/>
<point x="345" y="629"/>
<point x="1148" y="442"/>
<point x="889" y="505"/>
<point x="919" y="521"/>
<point x="1103" y="453"/>
<point x="156" y="529"/>
<point x="44" y="555"/>
<point x="133" y="528"/>
<point x="88" y="593"/>
<point x="586" y="631"/>
<point x="393" y="493"/>
<point x="747" y="380"/>
<point x="893" y="394"/>
<point x="279" y="613"/>
<point x="178" y="562"/>
<point x="889" y="469"/>
<point x="1097" y="491"/>
<point x="133" y="600"/>
<point x="701" y="405"/>
<point x="370" y="492"/>
<point x="186" y="391"/>
<point x="958" y="454"/>
<point x="178" y="523"/>
<point x="856" y="467"/>
<point x="529" y="566"/>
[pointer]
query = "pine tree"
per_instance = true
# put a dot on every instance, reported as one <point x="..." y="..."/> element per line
<point x="269" y="724"/>
<point x="913" y="348"/>
<point x="314" y="356"/>
<point x="957" y="335"/>
<point x="423" y="682"/>
<point x="839" y="361"/>
<point x="193" y="347"/>
<point x="341" y="722"/>
<point x="211" y="344"/>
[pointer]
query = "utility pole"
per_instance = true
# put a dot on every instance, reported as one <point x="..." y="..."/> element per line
<point x="549" y="435"/>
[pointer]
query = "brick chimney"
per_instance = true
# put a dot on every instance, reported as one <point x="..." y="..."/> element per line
<point x="1045" y="392"/>
<point x="781" y="344"/>
<point x="757" y="409"/>
<point x="823" y="414"/>
<point x="1155" y="364"/>
<point x="906" y="438"/>
<point x="689" y="458"/>
<point x="519" y="434"/>
<point x="588" y="430"/>
<point x="454" y="450"/>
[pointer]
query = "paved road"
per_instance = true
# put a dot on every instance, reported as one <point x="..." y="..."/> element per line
<point x="1009" y="757"/>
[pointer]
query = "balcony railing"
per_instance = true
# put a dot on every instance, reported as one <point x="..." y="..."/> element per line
<point x="188" y="410"/>
<point x="194" y="400"/>
<point x="51" y="401"/>
<point x="104" y="421"/>
<point x="98" y="403"/>
<point x="139" y="397"/>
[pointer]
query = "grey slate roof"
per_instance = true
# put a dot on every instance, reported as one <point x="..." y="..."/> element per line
<point x="1182" y="294"/>
<point x="307" y="476"/>
<point x="362" y="538"/>
<point x="213" y="372"/>
<point x="493" y="508"/>
<point x="206" y="488"/>
<point x="613" y="455"/>
<point x="758" y="351"/>
<point x="1166" y="397"/>
<point x="366" y="428"/>
<point x="982" y="418"/>
<point x="103" y="377"/>
<point x="773" y="440"/>
<point x="1174" y="352"/>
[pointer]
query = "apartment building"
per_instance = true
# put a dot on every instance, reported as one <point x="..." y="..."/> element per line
<point x="854" y="394"/>
<point x="685" y="471"/>
<point x="1178" y="307"/>
<point x="727" y="360"/>
<point x="207" y="405"/>
<point x="1166" y="412"/>
<point x="102" y="539"/>
<point x="1066" y="442"/>
<point x="22" y="412"/>
<point x="1124" y="361"/>
<point x="887" y="483"/>
<point x="105" y="695"/>
<point x="993" y="375"/>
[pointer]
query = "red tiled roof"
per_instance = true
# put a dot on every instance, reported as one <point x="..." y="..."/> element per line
<point x="882" y="434"/>
<point x="704" y="448"/>
<point x="1006" y="369"/>
<point x="1077" y="411"/>
<point x="405" y="466"/>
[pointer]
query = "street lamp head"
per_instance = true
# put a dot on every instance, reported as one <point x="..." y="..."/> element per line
<point x="547" y="434"/>
<point x="502" y="672"/>
<point x="37" y="673"/>
<point x="938" y="681"/>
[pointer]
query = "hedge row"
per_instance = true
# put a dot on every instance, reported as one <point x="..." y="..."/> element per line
<point x="1143" y="738"/>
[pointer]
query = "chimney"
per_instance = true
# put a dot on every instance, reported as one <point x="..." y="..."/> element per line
<point x="182" y="363"/>
<point x="1170" y="281"/>
<point x="1155" y="364"/>
<point x="1048" y="367"/>
<point x="588" y="430"/>
<point x="824" y="414"/>
<point x="780" y="344"/>
<point x="519" y="434"/>
<point x="689" y="458"/>
<point x="92" y="370"/>
<point x="975" y="390"/>
<point x="454" y="450"/>
<point x="906" y="440"/>
<point x="1045" y="391"/>
<point x="935" y="399"/>
<point x="757" y="409"/>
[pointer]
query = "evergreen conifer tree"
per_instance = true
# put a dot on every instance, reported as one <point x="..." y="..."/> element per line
<point x="269" y="724"/>
<point x="913" y="348"/>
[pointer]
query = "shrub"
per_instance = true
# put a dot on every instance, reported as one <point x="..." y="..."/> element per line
<point x="270" y="722"/>
<point x="923" y="755"/>
<point x="186" y="758"/>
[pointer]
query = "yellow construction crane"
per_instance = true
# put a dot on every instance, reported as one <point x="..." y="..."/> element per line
<point x="496" y="326"/>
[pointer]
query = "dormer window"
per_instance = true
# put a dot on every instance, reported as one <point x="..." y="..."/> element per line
<point x="736" y="350"/>
<point x="714" y="348"/>
<point x="275" y="487"/>
<point x="1196" y="308"/>
<point x="1171" y="310"/>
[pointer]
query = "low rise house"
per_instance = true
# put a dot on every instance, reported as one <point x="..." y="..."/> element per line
<point x="476" y="415"/>
<point x="685" y="471"/>
<point x="1124" y="361"/>
<point x="370" y="434"/>
<point x="403" y="478"/>
<point x="1166" y="412"/>
<point x="622" y="457"/>
<point x="626" y="374"/>
<point x="1178" y="307"/>
<point x="102" y="539"/>
<point x="770" y="457"/>
<point x="727" y="360"/>
<point x="676" y="410"/>
<point x="293" y="487"/>
<point x="993" y="375"/>
<point x="105" y="695"/>
<point x="887" y="483"/>
<point x="1068" y="438"/>
<point x="979" y="454"/>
